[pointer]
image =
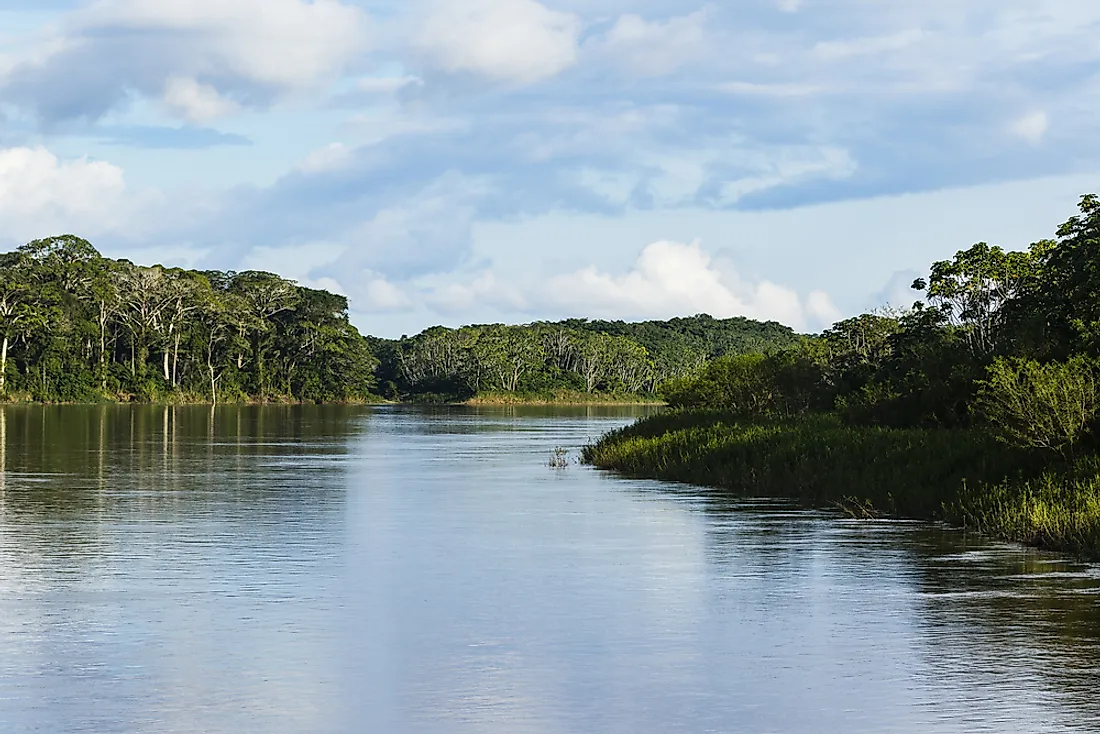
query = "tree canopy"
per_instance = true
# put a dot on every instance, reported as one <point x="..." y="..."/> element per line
<point x="76" y="326"/>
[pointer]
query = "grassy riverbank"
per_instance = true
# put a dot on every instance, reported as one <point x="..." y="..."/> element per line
<point x="186" y="398"/>
<point x="563" y="397"/>
<point x="964" y="477"/>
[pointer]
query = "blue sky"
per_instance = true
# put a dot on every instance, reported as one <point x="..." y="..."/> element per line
<point x="458" y="161"/>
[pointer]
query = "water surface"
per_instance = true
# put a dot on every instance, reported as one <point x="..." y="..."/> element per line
<point x="323" y="569"/>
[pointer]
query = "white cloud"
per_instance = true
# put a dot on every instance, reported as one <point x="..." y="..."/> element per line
<point x="518" y="41"/>
<point x="787" y="166"/>
<point x="202" y="58"/>
<point x="196" y="102"/>
<point x="285" y="43"/>
<point x="378" y="295"/>
<point x="653" y="48"/>
<point x="484" y="289"/>
<point x="41" y="195"/>
<point x="1032" y="127"/>
<point x="820" y="309"/>
<point x="789" y="6"/>
<point x="673" y="279"/>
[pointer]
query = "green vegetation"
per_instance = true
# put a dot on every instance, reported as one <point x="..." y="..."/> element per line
<point x="78" y="327"/>
<point x="568" y="361"/>
<point x="978" y="406"/>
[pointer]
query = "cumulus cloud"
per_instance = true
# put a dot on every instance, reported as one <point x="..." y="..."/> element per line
<point x="193" y="53"/>
<point x="376" y="294"/>
<point x="196" y="102"/>
<point x="516" y="41"/>
<point x="485" y="289"/>
<point x="673" y="279"/>
<point x="41" y="195"/>
<point x="652" y="48"/>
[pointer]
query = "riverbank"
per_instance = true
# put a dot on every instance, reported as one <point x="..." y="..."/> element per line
<point x="189" y="399"/>
<point x="563" y="397"/>
<point x="963" y="477"/>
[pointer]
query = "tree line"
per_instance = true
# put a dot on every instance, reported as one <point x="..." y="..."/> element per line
<point x="1007" y="339"/>
<point x="78" y="327"/>
<point x="571" y="356"/>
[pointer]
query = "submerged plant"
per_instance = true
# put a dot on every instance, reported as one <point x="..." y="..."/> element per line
<point x="560" y="458"/>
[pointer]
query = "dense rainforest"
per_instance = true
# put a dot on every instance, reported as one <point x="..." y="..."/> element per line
<point x="979" y="405"/>
<point x="78" y="327"/>
<point x="575" y="358"/>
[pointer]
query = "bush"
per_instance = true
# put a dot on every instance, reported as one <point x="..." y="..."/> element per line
<point x="1046" y="406"/>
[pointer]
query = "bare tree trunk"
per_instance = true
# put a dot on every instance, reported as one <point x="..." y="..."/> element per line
<point x="4" y="364"/>
<point x="175" y="361"/>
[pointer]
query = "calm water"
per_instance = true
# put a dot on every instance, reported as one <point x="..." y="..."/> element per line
<point x="394" y="570"/>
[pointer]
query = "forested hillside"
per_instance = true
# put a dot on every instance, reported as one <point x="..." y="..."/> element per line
<point x="79" y="327"/>
<point x="576" y="356"/>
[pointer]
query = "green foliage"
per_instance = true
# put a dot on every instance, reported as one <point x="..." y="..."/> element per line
<point x="816" y="459"/>
<point x="77" y="327"/>
<point x="1046" y="406"/>
<point x="598" y="358"/>
<point x="973" y="288"/>
<point x="965" y="477"/>
<point x="741" y="385"/>
<point x="968" y="408"/>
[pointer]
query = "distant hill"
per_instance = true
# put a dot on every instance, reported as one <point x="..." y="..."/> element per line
<point x="576" y="355"/>
<point x="702" y="333"/>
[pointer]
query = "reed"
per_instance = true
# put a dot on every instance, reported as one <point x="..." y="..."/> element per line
<point x="964" y="477"/>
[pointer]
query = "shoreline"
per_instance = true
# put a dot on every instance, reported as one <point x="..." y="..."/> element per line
<point x="962" y="477"/>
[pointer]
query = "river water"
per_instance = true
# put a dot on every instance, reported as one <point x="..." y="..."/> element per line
<point x="324" y="569"/>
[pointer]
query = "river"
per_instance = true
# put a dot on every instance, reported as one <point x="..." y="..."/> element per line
<point x="391" y="569"/>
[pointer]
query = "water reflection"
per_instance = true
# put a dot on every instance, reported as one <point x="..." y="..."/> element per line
<point x="308" y="569"/>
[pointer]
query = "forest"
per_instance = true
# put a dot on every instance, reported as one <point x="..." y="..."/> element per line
<point x="1005" y="340"/>
<point x="78" y="327"/>
<point x="1008" y="340"/>
<point x="980" y="405"/>
<point x="578" y="359"/>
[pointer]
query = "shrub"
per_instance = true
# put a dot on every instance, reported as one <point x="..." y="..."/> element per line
<point x="1046" y="406"/>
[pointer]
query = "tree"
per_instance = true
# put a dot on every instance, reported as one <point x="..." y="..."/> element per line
<point x="264" y="295"/>
<point x="593" y="354"/>
<point x="146" y="296"/>
<point x="628" y="363"/>
<point x="973" y="288"/>
<point x="14" y="314"/>
<point x="1046" y="406"/>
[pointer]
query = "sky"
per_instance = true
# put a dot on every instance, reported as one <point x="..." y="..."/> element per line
<point x="473" y="161"/>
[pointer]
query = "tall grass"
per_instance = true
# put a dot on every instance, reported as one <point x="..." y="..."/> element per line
<point x="964" y="477"/>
